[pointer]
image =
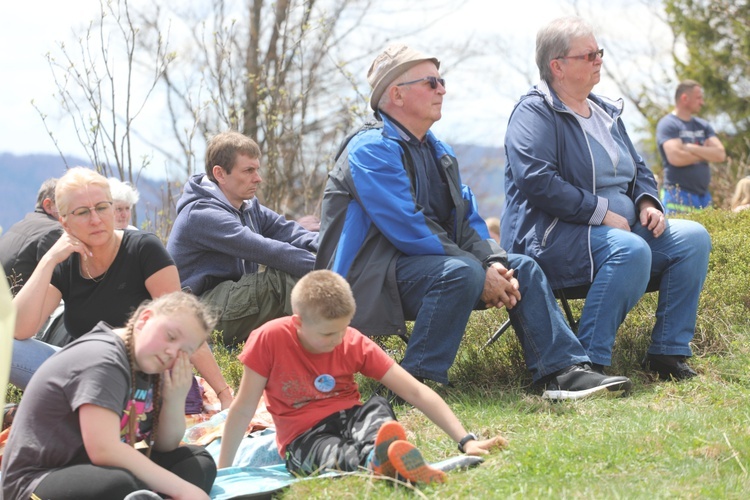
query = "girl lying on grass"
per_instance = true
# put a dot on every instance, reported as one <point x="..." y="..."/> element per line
<point x="88" y="405"/>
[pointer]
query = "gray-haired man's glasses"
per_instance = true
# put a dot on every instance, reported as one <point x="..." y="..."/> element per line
<point x="432" y="79"/>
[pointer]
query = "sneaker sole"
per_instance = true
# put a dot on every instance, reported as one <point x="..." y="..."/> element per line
<point x="410" y="464"/>
<point x="388" y="433"/>
<point x="613" y="389"/>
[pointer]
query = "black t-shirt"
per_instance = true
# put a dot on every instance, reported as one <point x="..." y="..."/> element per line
<point x="121" y="289"/>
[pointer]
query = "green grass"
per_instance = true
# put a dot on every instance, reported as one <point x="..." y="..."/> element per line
<point x="665" y="440"/>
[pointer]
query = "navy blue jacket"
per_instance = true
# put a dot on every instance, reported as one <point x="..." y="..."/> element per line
<point x="550" y="186"/>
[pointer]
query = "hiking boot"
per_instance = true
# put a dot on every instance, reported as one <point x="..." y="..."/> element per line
<point x="388" y="433"/>
<point x="580" y="381"/>
<point x="409" y="463"/>
<point x="668" y="366"/>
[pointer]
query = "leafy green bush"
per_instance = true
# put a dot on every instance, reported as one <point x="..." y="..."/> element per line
<point x="723" y="314"/>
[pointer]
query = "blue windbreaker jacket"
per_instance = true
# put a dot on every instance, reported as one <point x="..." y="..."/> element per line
<point x="369" y="218"/>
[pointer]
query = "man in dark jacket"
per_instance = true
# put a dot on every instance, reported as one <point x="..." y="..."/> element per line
<point x="222" y="235"/>
<point x="26" y="242"/>
<point x="401" y="227"/>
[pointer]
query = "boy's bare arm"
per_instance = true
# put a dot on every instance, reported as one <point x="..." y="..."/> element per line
<point x="240" y="413"/>
<point x="432" y="405"/>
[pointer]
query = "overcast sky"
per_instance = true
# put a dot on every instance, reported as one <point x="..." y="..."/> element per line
<point x="481" y="91"/>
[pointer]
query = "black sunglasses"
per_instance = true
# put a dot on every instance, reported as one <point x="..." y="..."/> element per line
<point x="590" y="57"/>
<point x="432" y="79"/>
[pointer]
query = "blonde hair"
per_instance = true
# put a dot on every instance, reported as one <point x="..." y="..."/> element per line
<point x="171" y="304"/>
<point x="493" y="224"/>
<point x="741" y="193"/>
<point x="78" y="178"/>
<point x="323" y="294"/>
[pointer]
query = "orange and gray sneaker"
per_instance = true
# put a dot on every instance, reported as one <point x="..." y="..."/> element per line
<point x="409" y="463"/>
<point x="388" y="433"/>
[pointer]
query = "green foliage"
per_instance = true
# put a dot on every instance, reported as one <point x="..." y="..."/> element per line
<point x="226" y="358"/>
<point x="666" y="440"/>
<point x="716" y="35"/>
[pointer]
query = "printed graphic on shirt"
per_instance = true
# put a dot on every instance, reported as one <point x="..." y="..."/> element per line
<point x="143" y="401"/>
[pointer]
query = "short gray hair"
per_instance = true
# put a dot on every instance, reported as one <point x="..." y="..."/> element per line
<point x="553" y="41"/>
<point x="123" y="191"/>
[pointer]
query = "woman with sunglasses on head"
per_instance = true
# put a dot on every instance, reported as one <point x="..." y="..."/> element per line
<point x="75" y="433"/>
<point x="102" y="274"/>
<point x="581" y="201"/>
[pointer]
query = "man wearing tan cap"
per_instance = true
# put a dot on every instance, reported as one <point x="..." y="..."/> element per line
<point x="399" y="225"/>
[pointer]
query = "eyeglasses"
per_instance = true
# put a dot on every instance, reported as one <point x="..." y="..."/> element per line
<point x="590" y="57"/>
<point x="102" y="208"/>
<point x="432" y="79"/>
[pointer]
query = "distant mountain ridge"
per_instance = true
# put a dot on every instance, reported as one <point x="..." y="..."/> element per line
<point x="481" y="169"/>
<point x="22" y="176"/>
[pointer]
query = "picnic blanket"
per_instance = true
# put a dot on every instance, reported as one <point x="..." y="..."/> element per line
<point x="258" y="471"/>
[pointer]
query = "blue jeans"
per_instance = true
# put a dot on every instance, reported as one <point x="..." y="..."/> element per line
<point x="624" y="262"/>
<point x="439" y="293"/>
<point x="28" y="356"/>
<point x="676" y="200"/>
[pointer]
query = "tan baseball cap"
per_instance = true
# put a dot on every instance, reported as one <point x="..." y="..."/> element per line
<point x="393" y="61"/>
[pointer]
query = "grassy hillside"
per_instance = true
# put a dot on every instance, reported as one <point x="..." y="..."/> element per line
<point x="666" y="440"/>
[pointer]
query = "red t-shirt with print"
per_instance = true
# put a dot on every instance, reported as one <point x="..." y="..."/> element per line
<point x="293" y="398"/>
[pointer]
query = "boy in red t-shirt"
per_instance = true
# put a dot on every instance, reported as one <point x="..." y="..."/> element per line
<point x="306" y="365"/>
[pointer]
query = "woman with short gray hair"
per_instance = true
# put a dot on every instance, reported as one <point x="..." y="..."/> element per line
<point x="581" y="201"/>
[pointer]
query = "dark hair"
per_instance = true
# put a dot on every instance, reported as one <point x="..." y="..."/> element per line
<point x="684" y="87"/>
<point x="223" y="148"/>
<point x="47" y="190"/>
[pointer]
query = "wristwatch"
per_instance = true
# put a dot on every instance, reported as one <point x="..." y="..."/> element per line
<point x="469" y="437"/>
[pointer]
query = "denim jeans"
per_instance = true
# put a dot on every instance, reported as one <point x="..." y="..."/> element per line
<point x="676" y="200"/>
<point x="439" y="293"/>
<point x="624" y="262"/>
<point x="28" y="356"/>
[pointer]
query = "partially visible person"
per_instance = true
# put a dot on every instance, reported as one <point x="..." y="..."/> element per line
<point x="493" y="226"/>
<point x="101" y="273"/>
<point x="7" y="322"/>
<point x="306" y="363"/>
<point x="235" y="253"/>
<point x="124" y="196"/>
<point x="581" y="201"/>
<point x="741" y="197"/>
<point x="687" y="144"/>
<point x="310" y="222"/>
<point x="23" y="245"/>
<point x="401" y="227"/>
<point x="74" y="436"/>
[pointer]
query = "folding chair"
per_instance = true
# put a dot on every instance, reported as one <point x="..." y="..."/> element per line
<point x="564" y="295"/>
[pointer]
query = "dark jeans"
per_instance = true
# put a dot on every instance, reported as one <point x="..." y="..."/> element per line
<point x="87" y="481"/>
<point x="342" y="441"/>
